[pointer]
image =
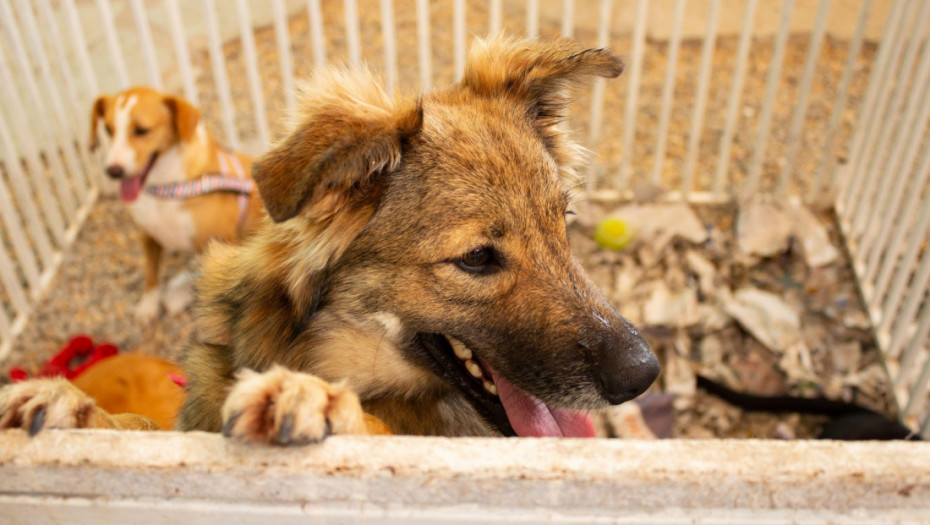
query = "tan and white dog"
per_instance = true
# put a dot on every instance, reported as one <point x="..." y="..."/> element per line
<point x="182" y="187"/>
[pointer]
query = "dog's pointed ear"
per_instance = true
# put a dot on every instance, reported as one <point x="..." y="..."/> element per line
<point x="348" y="131"/>
<point x="186" y="117"/>
<point x="539" y="74"/>
<point x="96" y="113"/>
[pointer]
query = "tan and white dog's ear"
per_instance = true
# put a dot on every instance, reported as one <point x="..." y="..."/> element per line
<point x="348" y="130"/>
<point x="96" y="113"/>
<point x="186" y="117"/>
<point x="540" y="74"/>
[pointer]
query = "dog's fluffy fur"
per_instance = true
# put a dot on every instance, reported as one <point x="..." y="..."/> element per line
<point x="373" y="202"/>
<point x="415" y="264"/>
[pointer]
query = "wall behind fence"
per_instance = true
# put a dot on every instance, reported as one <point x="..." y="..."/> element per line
<point x="721" y="99"/>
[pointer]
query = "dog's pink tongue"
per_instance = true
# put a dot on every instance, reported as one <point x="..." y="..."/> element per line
<point x="129" y="188"/>
<point x="530" y="417"/>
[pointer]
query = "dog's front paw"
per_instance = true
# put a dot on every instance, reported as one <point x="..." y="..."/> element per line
<point x="289" y="408"/>
<point x="149" y="307"/>
<point x="49" y="403"/>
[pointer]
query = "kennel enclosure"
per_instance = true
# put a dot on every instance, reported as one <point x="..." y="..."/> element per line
<point x="822" y="102"/>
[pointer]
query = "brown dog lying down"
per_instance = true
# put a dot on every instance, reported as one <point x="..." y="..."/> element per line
<point x="415" y="266"/>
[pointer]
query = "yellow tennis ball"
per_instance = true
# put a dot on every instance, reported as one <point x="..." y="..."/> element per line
<point x="613" y="233"/>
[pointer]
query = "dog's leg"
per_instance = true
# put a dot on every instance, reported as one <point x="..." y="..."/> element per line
<point x="180" y="293"/>
<point x="56" y="403"/>
<point x="150" y="305"/>
<point x="290" y="408"/>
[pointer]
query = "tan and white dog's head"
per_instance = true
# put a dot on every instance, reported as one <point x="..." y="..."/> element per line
<point x="142" y="124"/>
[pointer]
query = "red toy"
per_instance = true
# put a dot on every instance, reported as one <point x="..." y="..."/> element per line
<point x="71" y="361"/>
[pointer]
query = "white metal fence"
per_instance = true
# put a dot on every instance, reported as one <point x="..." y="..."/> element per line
<point x="868" y="155"/>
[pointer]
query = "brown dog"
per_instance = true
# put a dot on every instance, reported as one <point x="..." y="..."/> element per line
<point x="181" y="187"/>
<point x="417" y="266"/>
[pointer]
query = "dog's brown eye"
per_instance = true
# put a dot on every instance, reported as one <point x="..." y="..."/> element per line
<point x="109" y="130"/>
<point x="481" y="260"/>
<point x="140" y="131"/>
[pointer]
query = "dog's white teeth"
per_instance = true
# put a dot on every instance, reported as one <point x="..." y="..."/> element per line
<point x="461" y="351"/>
<point x="473" y="368"/>
<point x="489" y="386"/>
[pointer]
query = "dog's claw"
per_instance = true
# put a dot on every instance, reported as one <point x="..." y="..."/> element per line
<point x="38" y="420"/>
<point x="230" y="423"/>
<point x="286" y="408"/>
<point x="286" y="430"/>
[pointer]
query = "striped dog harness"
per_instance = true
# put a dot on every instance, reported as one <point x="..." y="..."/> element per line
<point x="230" y="179"/>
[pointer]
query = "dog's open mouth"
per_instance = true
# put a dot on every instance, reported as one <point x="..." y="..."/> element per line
<point x="513" y="411"/>
<point x="130" y="187"/>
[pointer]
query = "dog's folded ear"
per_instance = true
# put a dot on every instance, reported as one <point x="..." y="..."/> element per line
<point x="96" y="113"/>
<point x="348" y="131"/>
<point x="186" y="117"/>
<point x="538" y="74"/>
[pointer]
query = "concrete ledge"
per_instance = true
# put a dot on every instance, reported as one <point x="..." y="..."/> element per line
<point x="112" y="477"/>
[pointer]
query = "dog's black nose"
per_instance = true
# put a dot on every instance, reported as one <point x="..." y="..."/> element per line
<point x="115" y="171"/>
<point x="627" y="367"/>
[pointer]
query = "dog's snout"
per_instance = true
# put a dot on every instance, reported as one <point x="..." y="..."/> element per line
<point x="115" y="171"/>
<point x="627" y="367"/>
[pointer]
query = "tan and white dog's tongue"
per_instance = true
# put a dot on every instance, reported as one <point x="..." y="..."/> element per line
<point x="129" y="188"/>
<point x="530" y="417"/>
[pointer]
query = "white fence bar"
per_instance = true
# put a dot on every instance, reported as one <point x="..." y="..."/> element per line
<point x="29" y="265"/>
<point x="65" y="125"/>
<point x="916" y="293"/>
<point x="629" y="114"/>
<point x="251" y="67"/>
<point x="800" y="110"/>
<point x="283" y="38"/>
<point x="568" y="18"/>
<point x="6" y="276"/>
<point x="424" y="47"/>
<point x="353" y="40"/>
<point x="700" y="105"/>
<point x="116" y="52"/>
<point x="495" y="17"/>
<point x="77" y="107"/>
<point x="898" y="239"/>
<point x="827" y="160"/>
<point x="148" y="45"/>
<point x="532" y="18"/>
<point x="668" y="89"/>
<point x="315" y="16"/>
<point x="79" y="45"/>
<point x="768" y="102"/>
<point x="388" y="29"/>
<point x="889" y="127"/>
<point x="896" y="165"/>
<point x="865" y="125"/>
<point x="220" y="76"/>
<point x="458" y="38"/>
<point x="735" y="97"/>
<point x="597" y="96"/>
<point x="908" y="359"/>
<point x="915" y="393"/>
<point x="11" y="283"/>
<point x="900" y="268"/>
<point x="917" y="397"/>
<point x="47" y="200"/>
<point x="56" y="216"/>
<point x="179" y="36"/>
